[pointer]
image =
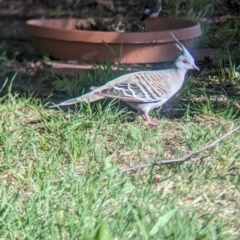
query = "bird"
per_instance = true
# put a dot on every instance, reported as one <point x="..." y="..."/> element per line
<point x="143" y="90"/>
<point x="152" y="9"/>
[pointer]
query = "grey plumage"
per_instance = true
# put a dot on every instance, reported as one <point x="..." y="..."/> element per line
<point x="144" y="90"/>
<point x="151" y="9"/>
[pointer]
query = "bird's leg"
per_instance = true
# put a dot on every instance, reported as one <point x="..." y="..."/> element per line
<point x="146" y="118"/>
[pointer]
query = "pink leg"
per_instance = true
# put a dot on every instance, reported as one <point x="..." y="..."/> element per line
<point x="149" y="120"/>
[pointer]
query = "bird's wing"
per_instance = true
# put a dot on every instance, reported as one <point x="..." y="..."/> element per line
<point x="147" y="86"/>
<point x="151" y="7"/>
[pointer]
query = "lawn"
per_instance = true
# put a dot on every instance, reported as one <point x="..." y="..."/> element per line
<point x="60" y="175"/>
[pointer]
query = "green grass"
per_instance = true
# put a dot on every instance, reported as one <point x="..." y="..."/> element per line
<point x="59" y="173"/>
<point x="191" y="9"/>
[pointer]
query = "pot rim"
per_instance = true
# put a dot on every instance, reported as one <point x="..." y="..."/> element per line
<point x="38" y="28"/>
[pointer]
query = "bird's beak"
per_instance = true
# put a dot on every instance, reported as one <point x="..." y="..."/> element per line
<point x="195" y="67"/>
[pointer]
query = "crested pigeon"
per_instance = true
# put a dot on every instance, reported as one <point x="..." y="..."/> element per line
<point x="143" y="90"/>
<point x="152" y="9"/>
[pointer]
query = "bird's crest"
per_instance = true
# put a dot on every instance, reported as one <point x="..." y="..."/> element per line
<point x="186" y="54"/>
<point x="181" y="47"/>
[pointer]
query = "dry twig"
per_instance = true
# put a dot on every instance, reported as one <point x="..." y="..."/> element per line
<point x="181" y="159"/>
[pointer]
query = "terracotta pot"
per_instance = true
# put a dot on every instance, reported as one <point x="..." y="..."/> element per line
<point x="59" y="39"/>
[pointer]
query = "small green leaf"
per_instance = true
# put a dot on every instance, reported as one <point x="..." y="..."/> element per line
<point x="102" y="233"/>
<point x="135" y="134"/>
<point x="109" y="48"/>
<point x="163" y="220"/>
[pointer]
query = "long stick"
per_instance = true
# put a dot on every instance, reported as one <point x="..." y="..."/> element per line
<point x="181" y="159"/>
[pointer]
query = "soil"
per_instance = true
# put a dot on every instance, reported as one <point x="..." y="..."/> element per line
<point x="111" y="25"/>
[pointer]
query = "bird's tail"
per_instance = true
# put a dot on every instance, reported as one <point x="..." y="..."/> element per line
<point x="89" y="97"/>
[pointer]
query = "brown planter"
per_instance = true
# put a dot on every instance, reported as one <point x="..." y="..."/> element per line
<point x="59" y="39"/>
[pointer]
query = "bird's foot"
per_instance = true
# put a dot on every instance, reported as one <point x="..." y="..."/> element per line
<point x="149" y="120"/>
<point x="153" y="123"/>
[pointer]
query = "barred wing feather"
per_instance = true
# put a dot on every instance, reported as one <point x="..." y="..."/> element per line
<point x="139" y="87"/>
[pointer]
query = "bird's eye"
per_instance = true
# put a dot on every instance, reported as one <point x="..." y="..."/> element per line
<point x="185" y="61"/>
